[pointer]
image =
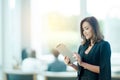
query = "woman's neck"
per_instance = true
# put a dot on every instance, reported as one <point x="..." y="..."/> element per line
<point x="91" y="43"/>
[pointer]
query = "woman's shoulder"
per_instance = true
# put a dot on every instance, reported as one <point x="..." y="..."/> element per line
<point x="103" y="42"/>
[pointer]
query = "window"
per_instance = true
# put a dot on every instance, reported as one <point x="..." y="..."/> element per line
<point x="53" y="22"/>
<point x="0" y="41"/>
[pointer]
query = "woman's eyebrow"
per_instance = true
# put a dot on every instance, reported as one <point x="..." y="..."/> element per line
<point x="85" y="27"/>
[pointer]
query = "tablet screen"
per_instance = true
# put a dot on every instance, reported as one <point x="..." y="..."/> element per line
<point x="65" y="51"/>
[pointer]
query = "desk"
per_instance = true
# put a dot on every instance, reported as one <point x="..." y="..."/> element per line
<point x="116" y="72"/>
<point x="115" y="76"/>
<point x="71" y="74"/>
<point x="19" y="73"/>
<point x="47" y="74"/>
<point x="60" y="75"/>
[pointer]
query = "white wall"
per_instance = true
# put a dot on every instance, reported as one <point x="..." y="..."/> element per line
<point x="11" y="27"/>
<point x="0" y="41"/>
<point x="15" y="29"/>
<point x="25" y="23"/>
<point x="0" y="34"/>
<point x="112" y="28"/>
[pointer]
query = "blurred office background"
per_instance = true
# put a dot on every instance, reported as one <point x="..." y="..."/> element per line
<point x="42" y="24"/>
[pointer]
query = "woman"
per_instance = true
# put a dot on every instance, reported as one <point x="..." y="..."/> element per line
<point x="94" y="54"/>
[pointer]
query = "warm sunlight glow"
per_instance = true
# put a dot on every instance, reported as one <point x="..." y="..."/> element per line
<point x="12" y="4"/>
<point x="50" y="19"/>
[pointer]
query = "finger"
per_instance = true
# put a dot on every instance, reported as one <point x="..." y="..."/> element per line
<point x="65" y="57"/>
<point x="69" y="62"/>
<point x="74" y="54"/>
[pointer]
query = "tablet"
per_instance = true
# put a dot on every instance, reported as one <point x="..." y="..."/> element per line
<point x="65" y="51"/>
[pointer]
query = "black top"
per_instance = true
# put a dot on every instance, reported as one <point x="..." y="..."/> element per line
<point x="99" y="55"/>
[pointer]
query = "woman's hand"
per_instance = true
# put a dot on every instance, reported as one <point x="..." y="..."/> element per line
<point x="67" y="61"/>
<point x="77" y="58"/>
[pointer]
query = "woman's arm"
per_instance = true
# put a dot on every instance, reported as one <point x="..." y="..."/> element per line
<point x="90" y="67"/>
<point x="67" y="62"/>
<point x="105" y="61"/>
<point x="74" y="66"/>
<point x="87" y="66"/>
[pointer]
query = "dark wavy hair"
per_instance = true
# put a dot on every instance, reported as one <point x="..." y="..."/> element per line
<point x="96" y="30"/>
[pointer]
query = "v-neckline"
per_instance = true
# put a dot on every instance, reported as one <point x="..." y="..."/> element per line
<point x="89" y="50"/>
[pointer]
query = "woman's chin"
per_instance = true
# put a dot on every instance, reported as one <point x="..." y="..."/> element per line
<point x="87" y="38"/>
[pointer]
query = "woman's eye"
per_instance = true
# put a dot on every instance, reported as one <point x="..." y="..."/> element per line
<point x="86" y="28"/>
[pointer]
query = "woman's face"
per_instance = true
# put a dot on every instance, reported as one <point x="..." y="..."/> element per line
<point x="87" y="30"/>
